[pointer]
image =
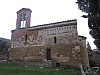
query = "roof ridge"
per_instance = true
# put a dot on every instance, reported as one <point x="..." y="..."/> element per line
<point x="56" y="22"/>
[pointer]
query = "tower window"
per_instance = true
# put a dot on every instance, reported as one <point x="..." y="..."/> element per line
<point x="23" y="19"/>
<point x="55" y="40"/>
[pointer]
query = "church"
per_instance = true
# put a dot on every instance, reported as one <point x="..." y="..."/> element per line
<point x="55" y="44"/>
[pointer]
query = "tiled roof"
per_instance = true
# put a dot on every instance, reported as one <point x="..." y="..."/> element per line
<point x="54" y="23"/>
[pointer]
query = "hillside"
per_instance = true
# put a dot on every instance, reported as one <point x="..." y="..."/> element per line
<point x="4" y="46"/>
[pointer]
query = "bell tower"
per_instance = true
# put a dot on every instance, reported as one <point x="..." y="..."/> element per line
<point x="23" y="18"/>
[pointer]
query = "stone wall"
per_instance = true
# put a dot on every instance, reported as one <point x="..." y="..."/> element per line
<point x="69" y="49"/>
<point x="31" y="44"/>
<point x="65" y="54"/>
<point x="64" y="35"/>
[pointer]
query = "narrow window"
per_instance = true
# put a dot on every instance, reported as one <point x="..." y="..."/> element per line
<point x="23" y="24"/>
<point x="55" y="40"/>
<point x="48" y="51"/>
<point x="25" y="38"/>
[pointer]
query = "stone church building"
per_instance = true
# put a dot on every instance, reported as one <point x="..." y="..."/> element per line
<point x="54" y="44"/>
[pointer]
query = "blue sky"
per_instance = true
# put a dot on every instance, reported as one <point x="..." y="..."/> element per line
<point x="43" y="12"/>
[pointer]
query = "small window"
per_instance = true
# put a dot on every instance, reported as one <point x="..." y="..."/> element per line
<point x="55" y="40"/>
<point x="57" y="64"/>
<point x="25" y="38"/>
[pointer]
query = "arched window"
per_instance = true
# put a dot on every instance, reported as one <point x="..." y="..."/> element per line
<point x="23" y="19"/>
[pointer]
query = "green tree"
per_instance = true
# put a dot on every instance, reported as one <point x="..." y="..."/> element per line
<point x="92" y="8"/>
<point x="90" y="54"/>
<point x="4" y="45"/>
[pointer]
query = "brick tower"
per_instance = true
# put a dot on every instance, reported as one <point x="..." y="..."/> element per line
<point x="23" y="18"/>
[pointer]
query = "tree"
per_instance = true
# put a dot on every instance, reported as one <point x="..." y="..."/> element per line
<point x="88" y="47"/>
<point x="4" y="45"/>
<point x="90" y="54"/>
<point x="94" y="56"/>
<point x="92" y="8"/>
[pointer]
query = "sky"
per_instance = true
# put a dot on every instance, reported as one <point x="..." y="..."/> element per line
<point x="43" y="12"/>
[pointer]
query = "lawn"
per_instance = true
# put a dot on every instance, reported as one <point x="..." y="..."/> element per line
<point x="12" y="69"/>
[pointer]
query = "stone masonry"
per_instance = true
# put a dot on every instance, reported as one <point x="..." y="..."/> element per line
<point x="54" y="44"/>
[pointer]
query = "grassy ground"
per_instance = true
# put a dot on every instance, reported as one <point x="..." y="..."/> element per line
<point x="11" y="69"/>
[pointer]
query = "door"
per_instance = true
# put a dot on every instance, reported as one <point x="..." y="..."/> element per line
<point x="48" y="54"/>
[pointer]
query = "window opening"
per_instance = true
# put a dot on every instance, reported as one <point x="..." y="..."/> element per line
<point x="23" y="20"/>
<point x="55" y="40"/>
<point x="57" y="64"/>
<point x="25" y="38"/>
<point x="48" y="54"/>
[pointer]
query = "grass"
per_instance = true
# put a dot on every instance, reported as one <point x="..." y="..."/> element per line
<point x="12" y="69"/>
